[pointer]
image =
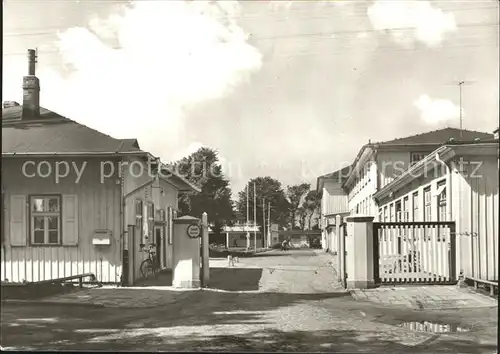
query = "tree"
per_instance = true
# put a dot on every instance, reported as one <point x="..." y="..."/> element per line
<point x="312" y="204"/>
<point x="202" y="168"/>
<point x="295" y="196"/>
<point x="269" y="190"/>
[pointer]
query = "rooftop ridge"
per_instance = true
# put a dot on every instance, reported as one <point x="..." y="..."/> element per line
<point x="49" y="111"/>
<point x="430" y="132"/>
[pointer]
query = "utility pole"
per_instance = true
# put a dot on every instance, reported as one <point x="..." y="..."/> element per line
<point x="254" y="217"/>
<point x="269" y="224"/>
<point x="264" y="222"/>
<point x="460" y="83"/>
<point x="246" y="228"/>
<point x="247" y="206"/>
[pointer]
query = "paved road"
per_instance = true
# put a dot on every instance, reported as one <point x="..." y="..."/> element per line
<point x="279" y="301"/>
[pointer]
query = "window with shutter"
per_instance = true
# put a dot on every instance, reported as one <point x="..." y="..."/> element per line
<point x="70" y="220"/>
<point x="45" y="220"/>
<point x="18" y="222"/>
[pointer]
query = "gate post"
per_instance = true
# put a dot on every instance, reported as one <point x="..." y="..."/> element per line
<point x="340" y="250"/>
<point x="359" y="258"/>
<point x="205" y="250"/>
<point x="186" y="252"/>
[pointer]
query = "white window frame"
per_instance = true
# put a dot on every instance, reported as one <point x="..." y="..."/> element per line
<point x="398" y="213"/>
<point x="45" y="214"/>
<point x="415" y="206"/>
<point x="427" y="210"/>
<point x="441" y="202"/>
<point x="405" y="205"/>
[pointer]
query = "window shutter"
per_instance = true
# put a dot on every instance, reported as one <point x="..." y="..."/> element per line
<point x="170" y="225"/>
<point x="144" y="231"/>
<point x="70" y="220"/>
<point x="18" y="220"/>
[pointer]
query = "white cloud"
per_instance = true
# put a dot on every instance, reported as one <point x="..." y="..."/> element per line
<point x="419" y="19"/>
<point x="435" y="111"/>
<point x="170" y="55"/>
<point x="362" y="35"/>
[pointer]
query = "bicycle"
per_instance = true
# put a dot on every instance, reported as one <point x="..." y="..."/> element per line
<point x="150" y="265"/>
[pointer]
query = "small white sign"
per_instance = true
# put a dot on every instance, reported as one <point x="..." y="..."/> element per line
<point x="193" y="231"/>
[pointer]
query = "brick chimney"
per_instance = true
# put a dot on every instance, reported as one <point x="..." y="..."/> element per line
<point x="31" y="90"/>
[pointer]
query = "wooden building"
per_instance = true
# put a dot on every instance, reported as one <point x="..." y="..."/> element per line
<point x="77" y="201"/>
<point x="457" y="182"/>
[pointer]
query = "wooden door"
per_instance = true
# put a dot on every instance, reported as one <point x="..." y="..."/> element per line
<point x="131" y="255"/>
<point x="158" y="242"/>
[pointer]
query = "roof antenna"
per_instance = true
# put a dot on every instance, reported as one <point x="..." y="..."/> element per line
<point x="460" y="83"/>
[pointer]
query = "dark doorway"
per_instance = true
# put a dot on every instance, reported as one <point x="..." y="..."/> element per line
<point x="158" y="244"/>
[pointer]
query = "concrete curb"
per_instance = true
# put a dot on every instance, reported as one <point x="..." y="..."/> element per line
<point x="52" y="303"/>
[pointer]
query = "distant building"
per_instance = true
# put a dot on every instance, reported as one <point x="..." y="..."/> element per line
<point x="334" y="202"/>
<point x="236" y="236"/>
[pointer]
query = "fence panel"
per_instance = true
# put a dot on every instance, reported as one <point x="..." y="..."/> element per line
<point x="414" y="252"/>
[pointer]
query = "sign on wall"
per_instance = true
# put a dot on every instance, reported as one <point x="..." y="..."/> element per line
<point x="194" y="231"/>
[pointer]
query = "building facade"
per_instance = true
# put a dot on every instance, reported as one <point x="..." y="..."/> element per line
<point x="454" y="183"/>
<point x="387" y="181"/>
<point x="71" y="193"/>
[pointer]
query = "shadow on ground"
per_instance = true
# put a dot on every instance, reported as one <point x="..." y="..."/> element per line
<point x="285" y="253"/>
<point x="164" y="278"/>
<point x="68" y="331"/>
<point x="229" y="279"/>
<point x="191" y="324"/>
<point x="43" y="327"/>
<point x="235" y="279"/>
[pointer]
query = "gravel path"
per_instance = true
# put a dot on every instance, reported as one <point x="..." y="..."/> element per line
<point x="281" y="301"/>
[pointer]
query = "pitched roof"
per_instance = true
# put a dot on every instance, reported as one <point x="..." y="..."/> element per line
<point x="440" y="136"/>
<point x="55" y="134"/>
<point x="435" y="137"/>
<point x="477" y="149"/>
<point x="338" y="174"/>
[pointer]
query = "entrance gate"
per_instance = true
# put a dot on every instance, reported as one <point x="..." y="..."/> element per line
<point x="414" y="252"/>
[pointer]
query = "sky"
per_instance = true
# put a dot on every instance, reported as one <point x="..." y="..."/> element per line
<point x="287" y="89"/>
